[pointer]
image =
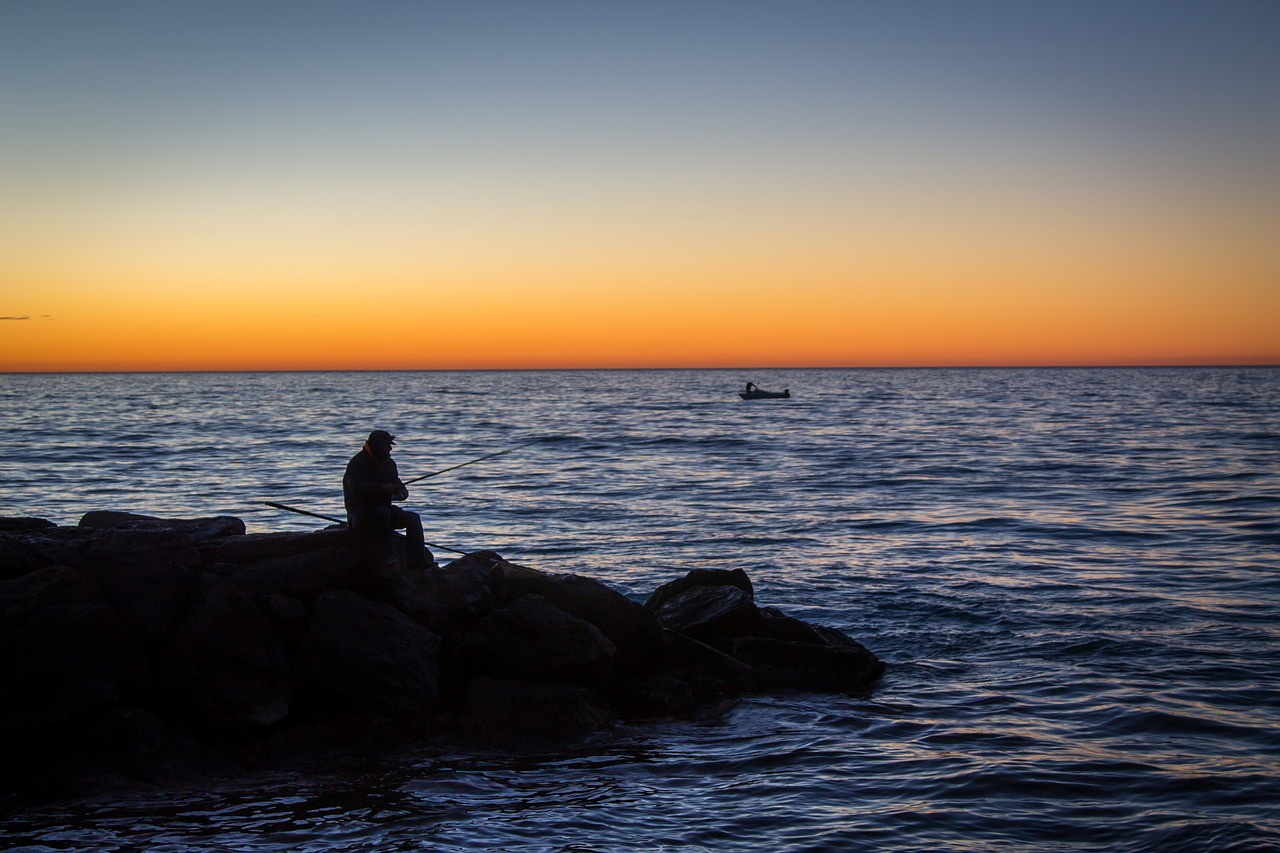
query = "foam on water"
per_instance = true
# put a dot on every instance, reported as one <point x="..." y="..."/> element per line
<point x="1073" y="574"/>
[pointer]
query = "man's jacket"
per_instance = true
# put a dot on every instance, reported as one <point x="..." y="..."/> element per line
<point x="361" y="484"/>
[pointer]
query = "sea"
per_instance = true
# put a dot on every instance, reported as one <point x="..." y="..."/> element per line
<point x="1072" y="574"/>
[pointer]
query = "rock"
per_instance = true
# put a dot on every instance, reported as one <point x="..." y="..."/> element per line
<point x="698" y="578"/>
<point x="653" y="696"/>
<point x="255" y="548"/>
<point x="777" y="625"/>
<point x="786" y="664"/>
<point x="302" y="576"/>
<point x="125" y="750"/>
<point x="193" y="529"/>
<point x="446" y="599"/>
<point x="60" y="652"/>
<point x="635" y="631"/>
<point x="348" y="744"/>
<point x="533" y="640"/>
<point x="8" y="525"/>
<point x="709" y="613"/>
<point x="149" y="579"/>
<point x="289" y="615"/>
<point x="710" y="673"/>
<point x="368" y="656"/>
<point x="505" y="713"/>
<point x="488" y="563"/>
<point x="26" y="550"/>
<point x="148" y="647"/>
<point x="229" y="662"/>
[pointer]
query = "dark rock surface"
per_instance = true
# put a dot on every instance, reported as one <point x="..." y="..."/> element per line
<point x="141" y="649"/>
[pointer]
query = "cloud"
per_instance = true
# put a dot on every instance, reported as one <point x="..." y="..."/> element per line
<point x="23" y="317"/>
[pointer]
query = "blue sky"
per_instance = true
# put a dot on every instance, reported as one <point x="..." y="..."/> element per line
<point x="537" y="130"/>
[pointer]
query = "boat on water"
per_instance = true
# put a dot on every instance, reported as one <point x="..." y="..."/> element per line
<point x="754" y="393"/>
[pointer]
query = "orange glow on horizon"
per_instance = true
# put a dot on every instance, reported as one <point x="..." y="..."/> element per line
<point x="1071" y="288"/>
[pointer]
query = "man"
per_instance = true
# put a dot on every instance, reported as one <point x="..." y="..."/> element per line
<point x="369" y="485"/>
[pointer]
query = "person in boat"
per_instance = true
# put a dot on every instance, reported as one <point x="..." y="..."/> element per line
<point x="369" y="486"/>
<point x="751" y="387"/>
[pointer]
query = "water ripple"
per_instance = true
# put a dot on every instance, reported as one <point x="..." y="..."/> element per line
<point x="1073" y="574"/>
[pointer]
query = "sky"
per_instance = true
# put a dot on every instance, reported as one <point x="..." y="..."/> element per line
<point x="227" y="185"/>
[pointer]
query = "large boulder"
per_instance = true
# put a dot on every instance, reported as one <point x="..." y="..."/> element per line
<point x="259" y="547"/>
<point x="367" y="656"/>
<point x="10" y="524"/>
<point x="709" y="613"/>
<point x="713" y="612"/>
<point x="303" y="575"/>
<point x="446" y="599"/>
<point x="150" y="578"/>
<point x="699" y="578"/>
<point x="635" y="631"/>
<point x="710" y="673"/>
<point x="787" y="664"/>
<point x="60" y="652"/>
<point x="533" y="640"/>
<point x="191" y="529"/>
<point x="779" y="626"/>
<point x="229" y="663"/>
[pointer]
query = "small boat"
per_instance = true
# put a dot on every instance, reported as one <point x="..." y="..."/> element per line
<point x="754" y="393"/>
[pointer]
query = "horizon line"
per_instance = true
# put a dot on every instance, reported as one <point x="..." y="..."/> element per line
<point x="1065" y="366"/>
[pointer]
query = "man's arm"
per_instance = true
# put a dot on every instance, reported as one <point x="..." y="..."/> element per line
<point x="399" y="491"/>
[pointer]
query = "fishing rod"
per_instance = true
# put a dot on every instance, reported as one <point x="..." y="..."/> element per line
<point x="294" y="509"/>
<point x="472" y="462"/>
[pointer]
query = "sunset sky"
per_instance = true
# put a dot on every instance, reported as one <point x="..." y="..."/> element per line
<point x="324" y="185"/>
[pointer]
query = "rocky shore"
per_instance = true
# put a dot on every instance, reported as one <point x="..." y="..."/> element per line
<point x="138" y="650"/>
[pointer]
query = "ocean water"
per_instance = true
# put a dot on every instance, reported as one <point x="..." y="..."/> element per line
<point x="1073" y="575"/>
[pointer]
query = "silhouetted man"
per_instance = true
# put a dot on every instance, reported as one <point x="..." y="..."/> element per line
<point x="369" y="485"/>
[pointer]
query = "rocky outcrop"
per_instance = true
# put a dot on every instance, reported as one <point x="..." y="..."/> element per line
<point x="136" y="646"/>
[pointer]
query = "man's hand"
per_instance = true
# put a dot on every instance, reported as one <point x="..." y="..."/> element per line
<point x="401" y="493"/>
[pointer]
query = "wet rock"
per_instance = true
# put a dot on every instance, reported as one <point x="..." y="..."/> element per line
<point x="507" y="713"/>
<point x="653" y="696"/>
<point x="710" y="673"/>
<point x="779" y="626"/>
<point x="229" y="662"/>
<point x="533" y="640"/>
<point x="347" y="744"/>
<point x="786" y="664"/>
<point x="367" y="655"/>
<point x="127" y="749"/>
<point x="699" y="578"/>
<point x="710" y="612"/>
